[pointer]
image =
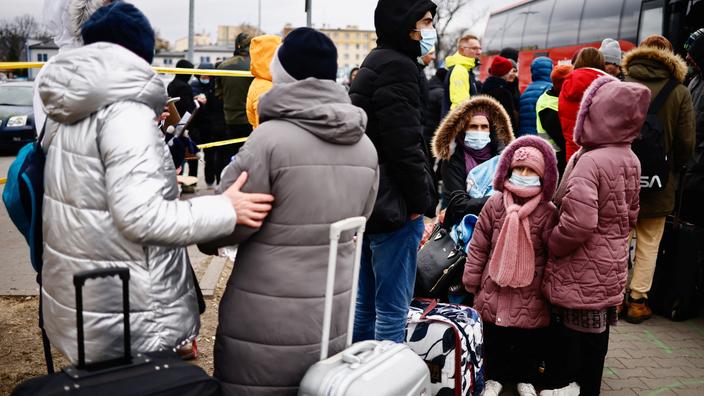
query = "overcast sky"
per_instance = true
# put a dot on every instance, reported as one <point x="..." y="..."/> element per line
<point x="170" y="17"/>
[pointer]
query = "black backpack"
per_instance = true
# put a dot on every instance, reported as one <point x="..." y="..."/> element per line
<point x="648" y="147"/>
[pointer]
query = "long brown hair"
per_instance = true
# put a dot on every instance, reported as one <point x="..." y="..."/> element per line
<point x="590" y="57"/>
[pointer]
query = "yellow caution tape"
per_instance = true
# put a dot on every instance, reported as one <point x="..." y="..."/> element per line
<point x="164" y="70"/>
<point x="221" y="143"/>
<point x="20" y="65"/>
<point x="3" y="180"/>
<point x="204" y="72"/>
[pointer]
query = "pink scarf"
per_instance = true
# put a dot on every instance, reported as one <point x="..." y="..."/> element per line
<point x="513" y="262"/>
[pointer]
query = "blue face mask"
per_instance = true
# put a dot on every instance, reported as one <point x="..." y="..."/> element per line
<point x="524" y="181"/>
<point x="204" y="82"/>
<point x="428" y="39"/>
<point x="476" y="140"/>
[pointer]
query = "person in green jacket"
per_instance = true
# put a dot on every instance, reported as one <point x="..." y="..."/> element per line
<point x="233" y="92"/>
<point x="461" y="83"/>
<point x="653" y="63"/>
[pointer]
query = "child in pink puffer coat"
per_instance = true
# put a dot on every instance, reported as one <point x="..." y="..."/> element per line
<point x="504" y="268"/>
<point x="598" y="201"/>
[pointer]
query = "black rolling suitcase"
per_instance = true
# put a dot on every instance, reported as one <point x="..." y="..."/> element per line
<point x="153" y="373"/>
<point x="677" y="291"/>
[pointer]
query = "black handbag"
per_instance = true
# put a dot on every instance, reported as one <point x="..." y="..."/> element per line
<point x="440" y="264"/>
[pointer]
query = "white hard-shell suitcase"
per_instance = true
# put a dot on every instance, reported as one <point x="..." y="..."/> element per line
<point x="379" y="368"/>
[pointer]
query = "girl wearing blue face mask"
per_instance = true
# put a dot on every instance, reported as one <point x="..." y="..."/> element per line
<point x="470" y="135"/>
<point x="505" y="263"/>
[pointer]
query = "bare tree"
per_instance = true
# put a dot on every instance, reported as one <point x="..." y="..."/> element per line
<point x="14" y="35"/>
<point x="449" y="27"/>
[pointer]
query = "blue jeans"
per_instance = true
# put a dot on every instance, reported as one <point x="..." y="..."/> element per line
<point x="386" y="280"/>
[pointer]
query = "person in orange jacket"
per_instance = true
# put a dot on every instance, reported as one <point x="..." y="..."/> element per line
<point x="261" y="50"/>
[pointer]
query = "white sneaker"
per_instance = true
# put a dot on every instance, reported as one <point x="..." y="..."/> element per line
<point x="492" y="388"/>
<point x="526" y="389"/>
<point x="570" y="390"/>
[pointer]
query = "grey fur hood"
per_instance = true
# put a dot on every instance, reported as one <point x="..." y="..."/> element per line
<point x="79" y="11"/>
<point x="80" y="82"/>
<point x="321" y="107"/>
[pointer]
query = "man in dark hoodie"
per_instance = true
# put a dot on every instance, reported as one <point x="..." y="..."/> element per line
<point x="180" y="88"/>
<point x="390" y="90"/>
<point x="233" y="92"/>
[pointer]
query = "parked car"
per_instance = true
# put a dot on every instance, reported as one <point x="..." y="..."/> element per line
<point x="16" y="115"/>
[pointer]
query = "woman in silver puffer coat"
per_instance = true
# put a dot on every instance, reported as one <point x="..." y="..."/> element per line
<point x="111" y="198"/>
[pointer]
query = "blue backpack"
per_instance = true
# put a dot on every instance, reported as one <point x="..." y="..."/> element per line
<point x="23" y="195"/>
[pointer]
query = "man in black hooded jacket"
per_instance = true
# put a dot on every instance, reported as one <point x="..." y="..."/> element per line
<point x="180" y="88"/>
<point x="390" y="90"/>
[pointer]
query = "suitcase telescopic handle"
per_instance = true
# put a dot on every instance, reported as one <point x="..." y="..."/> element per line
<point x="79" y="281"/>
<point x="336" y="230"/>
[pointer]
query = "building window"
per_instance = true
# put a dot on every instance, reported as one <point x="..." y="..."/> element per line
<point x="357" y="46"/>
<point x="347" y="35"/>
<point x="347" y="56"/>
<point x="42" y="57"/>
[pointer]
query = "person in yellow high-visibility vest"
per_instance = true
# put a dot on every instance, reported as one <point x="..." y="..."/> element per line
<point x="460" y="83"/>
<point x="547" y="120"/>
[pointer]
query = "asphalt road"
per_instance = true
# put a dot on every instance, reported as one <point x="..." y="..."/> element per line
<point x="18" y="276"/>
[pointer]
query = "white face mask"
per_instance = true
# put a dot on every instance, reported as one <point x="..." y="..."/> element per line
<point x="519" y="180"/>
<point x="476" y="140"/>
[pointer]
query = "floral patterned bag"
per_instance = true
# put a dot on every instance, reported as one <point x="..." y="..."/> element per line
<point x="448" y="338"/>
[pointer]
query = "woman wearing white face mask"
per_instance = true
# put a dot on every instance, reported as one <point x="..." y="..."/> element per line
<point x="471" y="134"/>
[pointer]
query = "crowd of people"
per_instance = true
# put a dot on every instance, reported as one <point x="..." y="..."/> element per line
<point x="559" y="202"/>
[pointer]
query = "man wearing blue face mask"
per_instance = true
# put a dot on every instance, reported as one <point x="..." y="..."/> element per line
<point x="210" y="124"/>
<point x="388" y="87"/>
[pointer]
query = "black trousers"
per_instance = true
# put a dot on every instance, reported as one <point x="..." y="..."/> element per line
<point x="514" y="355"/>
<point x="225" y="153"/>
<point x="577" y="357"/>
<point x="210" y="154"/>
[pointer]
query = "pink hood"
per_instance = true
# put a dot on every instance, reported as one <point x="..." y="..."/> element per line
<point x="549" y="182"/>
<point x="612" y="112"/>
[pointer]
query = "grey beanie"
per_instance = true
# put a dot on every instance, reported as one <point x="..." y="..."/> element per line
<point x="611" y="51"/>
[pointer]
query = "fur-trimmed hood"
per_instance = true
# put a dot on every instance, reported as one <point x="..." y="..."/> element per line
<point x="79" y="12"/>
<point x="444" y="141"/>
<point x="650" y="63"/>
<point x="611" y="112"/>
<point x="549" y="179"/>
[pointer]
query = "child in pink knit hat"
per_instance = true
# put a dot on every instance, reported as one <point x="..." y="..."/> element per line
<point x="504" y="268"/>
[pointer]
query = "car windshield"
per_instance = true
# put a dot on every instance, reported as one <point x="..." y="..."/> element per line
<point x="15" y="96"/>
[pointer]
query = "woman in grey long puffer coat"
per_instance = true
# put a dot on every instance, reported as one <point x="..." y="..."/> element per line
<point x="311" y="153"/>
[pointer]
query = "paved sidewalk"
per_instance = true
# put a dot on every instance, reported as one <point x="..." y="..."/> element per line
<point x="657" y="357"/>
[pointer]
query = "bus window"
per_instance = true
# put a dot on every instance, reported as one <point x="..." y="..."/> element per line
<point x="516" y="21"/>
<point x="535" y="35"/>
<point x="564" y="23"/>
<point x="600" y="20"/>
<point x="651" y="19"/>
<point x="629" y="21"/>
<point x="494" y="32"/>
